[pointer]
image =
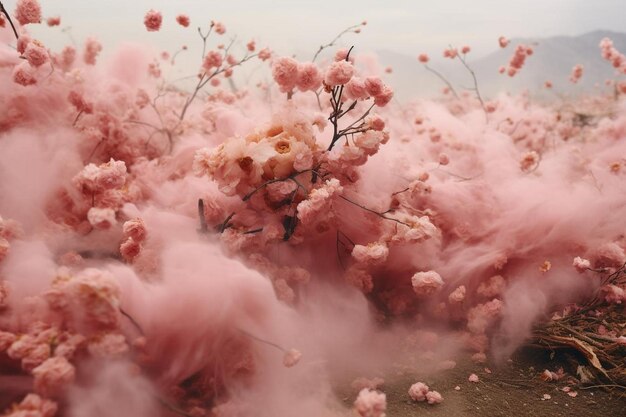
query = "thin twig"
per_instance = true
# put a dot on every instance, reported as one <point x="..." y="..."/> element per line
<point x="442" y="78"/>
<point x="4" y="11"/>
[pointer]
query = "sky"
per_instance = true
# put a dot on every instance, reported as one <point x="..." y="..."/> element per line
<point x="299" y="26"/>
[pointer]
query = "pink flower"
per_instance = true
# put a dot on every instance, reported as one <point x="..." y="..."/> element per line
<point x="444" y="159"/>
<point x="28" y="11"/>
<point x="219" y="28"/>
<point x="23" y="75"/>
<point x="92" y="49"/>
<point x="135" y="229"/>
<point x="34" y="406"/>
<point x="285" y="73"/>
<point x="465" y="50"/>
<point x="183" y="20"/>
<point x="426" y="283"/>
<point x="482" y="316"/>
<point x="213" y="59"/>
<point x="251" y="46"/>
<point x="309" y="77"/>
<point x="52" y="376"/>
<point x="450" y="53"/>
<point x="376" y="123"/>
<point x="423" y="58"/>
<point x="130" y="249"/>
<point x="355" y="89"/>
<point x="153" y="20"/>
<point x="577" y="73"/>
<point x="433" y="397"/>
<point x="473" y="378"/>
<point x="77" y="100"/>
<point x="109" y="345"/>
<point x="265" y="54"/>
<point x="581" y="264"/>
<point x="341" y="55"/>
<point x="54" y="21"/>
<point x="457" y="295"/>
<point x="101" y="218"/>
<point x="372" y="254"/>
<point x="503" y="42"/>
<point x="374" y="86"/>
<point x="339" y="73"/>
<point x="382" y="99"/>
<point x="291" y="358"/>
<point x="418" y="391"/>
<point x="493" y="287"/>
<point x="370" y="403"/>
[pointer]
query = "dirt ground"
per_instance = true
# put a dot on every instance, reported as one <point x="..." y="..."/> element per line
<point x="512" y="389"/>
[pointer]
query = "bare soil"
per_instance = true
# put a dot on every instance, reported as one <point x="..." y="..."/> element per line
<point x="511" y="389"/>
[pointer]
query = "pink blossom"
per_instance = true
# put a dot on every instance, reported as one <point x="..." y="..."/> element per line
<point x="473" y="378"/>
<point x="493" y="287"/>
<point x="92" y="50"/>
<point x="109" y="345"/>
<point x="153" y="20"/>
<point x="465" y="50"/>
<point x="613" y="294"/>
<point x="285" y="73"/>
<point x="581" y="265"/>
<point x="130" y="249"/>
<point x="101" y="218"/>
<point x="110" y="175"/>
<point x="444" y="159"/>
<point x="374" y="86"/>
<point x="372" y="254"/>
<point x="213" y="59"/>
<point x="53" y="21"/>
<point x="265" y="54"/>
<point x="79" y="102"/>
<point x="52" y="376"/>
<point x="450" y="53"/>
<point x="458" y="295"/>
<point x="503" y="42"/>
<point x="342" y="54"/>
<point x="433" y="397"/>
<point x="28" y="11"/>
<point x="611" y="54"/>
<point x="376" y="123"/>
<point x="577" y="73"/>
<point x="423" y="58"/>
<point x="339" y="73"/>
<point x="309" y="77"/>
<point x="23" y="75"/>
<point x="319" y="201"/>
<point x="355" y="89"/>
<point x="135" y="228"/>
<point x="291" y="358"/>
<point x="480" y="317"/>
<point x="33" y="406"/>
<point x="219" y="28"/>
<point x="426" y="283"/>
<point x="183" y="20"/>
<point x="251" y="46"/>
<point x="548" y="376"/>
<point x="382" y="99"/>
<point x="370" y="403"/>
<point x="529" y="161"/>
<point x="418" y="391"/>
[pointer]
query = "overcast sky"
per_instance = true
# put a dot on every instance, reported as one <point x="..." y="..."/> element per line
<point x="299" y="26"/>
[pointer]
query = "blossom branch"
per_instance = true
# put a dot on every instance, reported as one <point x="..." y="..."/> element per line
<point x="353" y="29"/>
<point x="4" y="11"/>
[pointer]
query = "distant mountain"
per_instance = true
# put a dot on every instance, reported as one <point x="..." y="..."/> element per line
<point x="552" y="60"/>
